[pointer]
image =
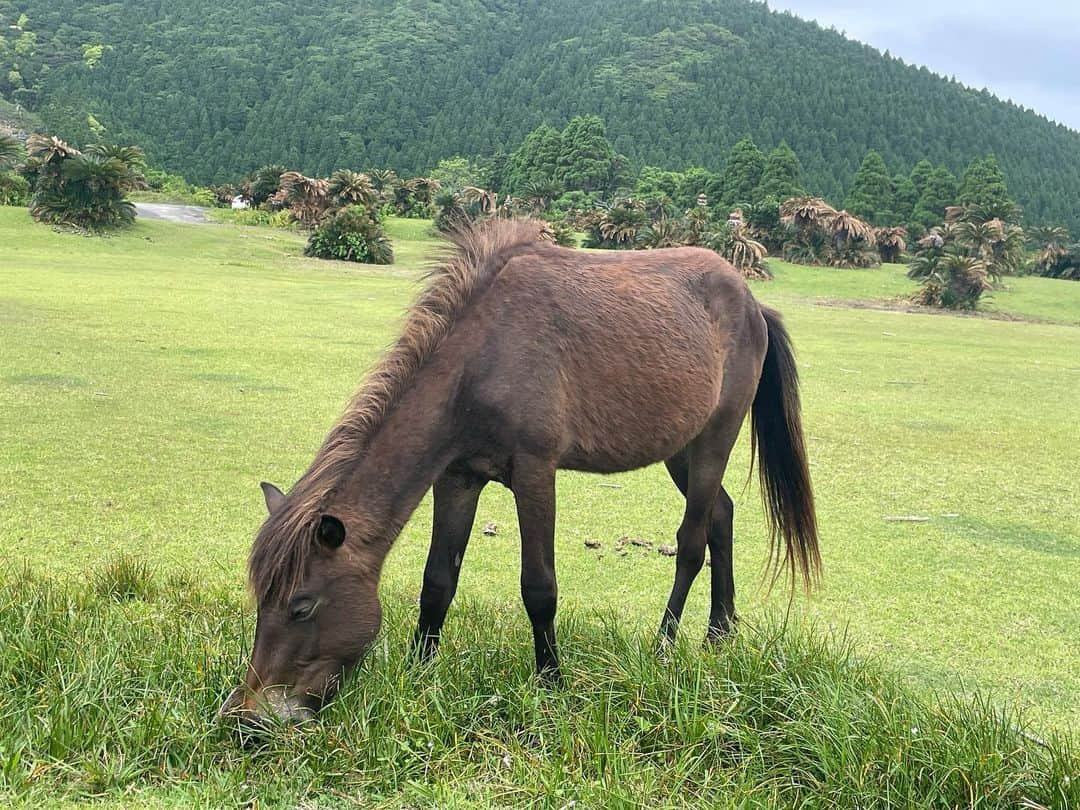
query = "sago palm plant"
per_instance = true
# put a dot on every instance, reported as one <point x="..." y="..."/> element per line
<point x="347" y="187"/>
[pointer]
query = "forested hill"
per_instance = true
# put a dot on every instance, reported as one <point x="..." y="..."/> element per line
<point x="212" y="88"/>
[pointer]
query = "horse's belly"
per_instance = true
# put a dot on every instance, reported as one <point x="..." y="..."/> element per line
<point x="640" y="421"/>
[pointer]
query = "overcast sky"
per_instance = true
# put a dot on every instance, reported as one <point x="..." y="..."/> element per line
<point x="1023" y="51"/>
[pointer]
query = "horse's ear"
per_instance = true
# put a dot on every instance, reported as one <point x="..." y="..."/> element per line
<point x="273" y="496"/>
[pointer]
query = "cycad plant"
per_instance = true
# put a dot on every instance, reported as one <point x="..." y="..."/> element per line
<point x="307" y="197"/>
<point x="891" y="243"/>
<point x="663" y="232"/>
<point x="351" y="188"/>
<point x="733" y="241"/>
<point x="10" y="152"/>
<point x="617" y="225"/>
<point x="951" y="278"/>
<point x="82" y="190"/>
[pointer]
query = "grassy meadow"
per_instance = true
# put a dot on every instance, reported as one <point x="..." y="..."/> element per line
<point x="150" y="380"/>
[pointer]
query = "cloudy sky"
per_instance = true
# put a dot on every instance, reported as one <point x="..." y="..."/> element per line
<point x="1023" y="51"/>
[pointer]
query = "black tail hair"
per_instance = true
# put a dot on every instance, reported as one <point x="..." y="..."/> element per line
<point x="777" y="438"/>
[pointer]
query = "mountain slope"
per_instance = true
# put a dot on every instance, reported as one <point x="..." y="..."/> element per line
<point x="215" y="88"/>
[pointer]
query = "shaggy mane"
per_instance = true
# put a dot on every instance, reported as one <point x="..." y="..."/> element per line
<point x="477" y="254"/>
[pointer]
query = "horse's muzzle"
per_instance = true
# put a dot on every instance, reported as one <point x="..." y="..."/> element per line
<point x="270" y="708"/>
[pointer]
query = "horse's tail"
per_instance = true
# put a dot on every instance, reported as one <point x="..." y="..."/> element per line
<point x="777" y="437"/>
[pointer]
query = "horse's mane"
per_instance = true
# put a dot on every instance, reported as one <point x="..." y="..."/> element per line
<point x="477" y="254"/>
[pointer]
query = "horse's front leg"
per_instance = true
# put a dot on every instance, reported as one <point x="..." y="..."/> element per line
<point x="455" y="496"/>
<point x="533" y="484"/>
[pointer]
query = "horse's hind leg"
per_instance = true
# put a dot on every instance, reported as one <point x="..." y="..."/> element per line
<point x="704" y="473"/>
<point x="698" y="472"/>
<point x="721" y="537"/>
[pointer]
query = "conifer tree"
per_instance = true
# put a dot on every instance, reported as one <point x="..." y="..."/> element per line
<point x="742" y="173"/>
<point x="920" y="176"/>
<point x="871" y="195"/>
<point x="938" y="194"/>
<point x="587" y="161"/>
<point x="984" y="186"/>
<point x="782" y="176"/>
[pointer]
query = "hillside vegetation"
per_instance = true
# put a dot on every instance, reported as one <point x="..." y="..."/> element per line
<point x="213" y="90"/>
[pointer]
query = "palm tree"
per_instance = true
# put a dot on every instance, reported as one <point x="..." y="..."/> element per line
<point x="1007" y="211"/>
<point x="48" y="148"/>
<point x="486" y="201"/>
<point x="384" y="181"/>
<point x="662" y="233"/>
<point x="450" y="212"/>
<point x="1050" y="244"/>
<point x="351" y="188"/>
<point x="890" y="243"/>
<point x="308" y="197"/>
<point x="844" y="228"/>
<point x="539" y="194"/>
<point x="1000" y="247"/>
<point x="263" y="184"/>
<point x="10" y="151"/>
<point x="955" y="280"/>
<point x="622" y="221"/>
<point x="132" y="158"/>
<point x="851" y="241"/>
<point x="746" y="254"/>
<point x="805" y="212"/>
<point x="424" y="189"/>
<point x="78" y="190"/>
<point x="695" y="224"/>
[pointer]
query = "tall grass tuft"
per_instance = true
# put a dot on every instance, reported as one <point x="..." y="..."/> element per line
<point x="113" y="699"/>
<point x="124" y="578"/>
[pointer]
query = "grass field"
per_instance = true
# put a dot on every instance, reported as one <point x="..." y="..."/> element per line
<point x="148" y="381"/>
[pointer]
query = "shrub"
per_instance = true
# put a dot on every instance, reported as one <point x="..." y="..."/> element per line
<point x="14" y="190"/>
<point x="82" y="190"/>
<point x="822" y="235"/>
<point x="735" y="244"/>
<point x="177" y="189"/>
<point x="950" y="279"/>
<point x="561" y="233"/>
<point x="351" y="234"/>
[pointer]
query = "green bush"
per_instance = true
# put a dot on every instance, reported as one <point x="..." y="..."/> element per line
<point x="256" y="217"/>
<point x="14" y="190"/>
<point x="351" y="234"/>
<point x="176" y="189"/>
<point x="83" y="190"/>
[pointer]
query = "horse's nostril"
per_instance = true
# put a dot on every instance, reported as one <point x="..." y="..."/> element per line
<point x="301" y="716"/>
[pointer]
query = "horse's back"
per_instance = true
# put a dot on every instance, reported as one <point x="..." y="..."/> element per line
<point x="618" y="359"/>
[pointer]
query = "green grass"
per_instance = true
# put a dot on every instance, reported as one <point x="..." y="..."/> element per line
<point x="149" y="380"/>
<point x="1030" y="298"/>
<point x="112" y="699"/>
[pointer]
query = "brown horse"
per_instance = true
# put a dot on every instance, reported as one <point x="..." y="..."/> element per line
<point x="521" y="358"/>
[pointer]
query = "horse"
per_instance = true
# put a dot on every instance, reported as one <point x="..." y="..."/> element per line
<point x="520" y="358"/>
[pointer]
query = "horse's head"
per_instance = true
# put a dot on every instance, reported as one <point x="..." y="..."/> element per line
<point x="318" y="611"/>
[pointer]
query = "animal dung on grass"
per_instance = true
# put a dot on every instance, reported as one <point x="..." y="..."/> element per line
<point x="490" y="530"/>
<point x="667" y="551"/>
<point x="592" y="543"/>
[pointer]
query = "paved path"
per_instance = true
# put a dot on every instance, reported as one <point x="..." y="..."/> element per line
<point x="186" y="214"/>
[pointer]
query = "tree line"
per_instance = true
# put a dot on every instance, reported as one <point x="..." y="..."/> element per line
<point x="211" y="89"/>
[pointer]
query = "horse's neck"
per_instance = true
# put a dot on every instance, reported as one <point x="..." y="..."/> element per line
<point x="411" y="448"/>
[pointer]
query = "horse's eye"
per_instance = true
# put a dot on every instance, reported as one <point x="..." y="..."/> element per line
<point x="302" y="609"/>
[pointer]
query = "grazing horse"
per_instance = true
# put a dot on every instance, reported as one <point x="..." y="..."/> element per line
<point x="521" y="358"/>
